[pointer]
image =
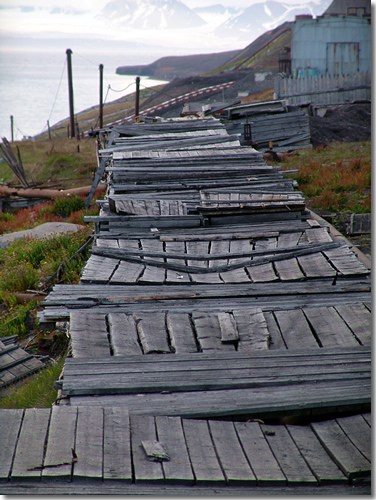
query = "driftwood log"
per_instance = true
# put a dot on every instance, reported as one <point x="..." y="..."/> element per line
<point x="51" y="194"/>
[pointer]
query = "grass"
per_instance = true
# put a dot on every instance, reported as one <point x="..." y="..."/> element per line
<point x="55" y="162"/>
<point x="336" y="178"/>
<point x="37" y="391"/>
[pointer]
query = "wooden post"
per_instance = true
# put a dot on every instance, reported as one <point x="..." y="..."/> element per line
<point x="137" y="99"/>
<point x="70" y="90"/>
<point x="101" y="96"/>
<point x="11" y="127"/>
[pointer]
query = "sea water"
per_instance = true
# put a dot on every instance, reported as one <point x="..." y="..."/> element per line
<point x="34" y="87"/>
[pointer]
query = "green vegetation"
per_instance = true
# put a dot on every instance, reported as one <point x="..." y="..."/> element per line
<point x="336" y="178"/>
<point x="36" y="392"/>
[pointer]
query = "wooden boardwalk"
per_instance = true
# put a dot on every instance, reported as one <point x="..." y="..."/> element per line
<point x="211" y="308"/>
<point x="67" y="444"/>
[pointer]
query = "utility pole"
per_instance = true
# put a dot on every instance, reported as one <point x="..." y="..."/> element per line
<point x="137" y="99"/>
<point x="70" y="90"/>
<point x="11" y="127"/>
<point x="101" y="96"/>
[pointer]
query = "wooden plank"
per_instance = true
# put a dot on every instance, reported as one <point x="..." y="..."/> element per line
<point x="295" y="329"/>
<point x="206" y="467"/>
<point x="89" y="444"/>
<point x="89" y="335"/>
<point x="286" y="240"/>
<point x="252" y="329"/>
<point x="174" y="276"/>
<point x="329" y="327"/>
<point x="143" y="429"/>
<point x="288" y="269"/>
<point x="227" y="326"/>
<point x="123" y="334"/>
<point x="341" y="449"/>
<point x="288" y="455"/>
<point x="10" y="423"/>
<point x="259" y="454"/>
<point x="61" y="441"/>
<point x="358" y="431"/>
<point x="230" y="453"/>
<point x="151" y="328"/>
<point x="358" y="319"/>
<point x="170" y="432"/>
<point x="209" y="332"/>
<point x="318" y="235"/>
<point x="262" y="273"/>
<point x="30" y="447"/>
<point x="368" y="418"/>
<point x="315" y="265"/>
<point x="127" y="272"/>
<point x="117" y="461"/>
<point x="345" y="261"/>
<point x="181" y="333"/>
<point x="275" y="337"/>
<point x="320" y="463"/>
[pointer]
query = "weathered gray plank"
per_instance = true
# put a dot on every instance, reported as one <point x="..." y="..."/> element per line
<point x="288" y="269"/>
<point x="259" y="454"/>
<point x="152" y="332"/>
<point x="329" y="327"/>
<point x="316" y="265"/>
<point x="262" y="273"/>
<point x="341" y="449"/>
<point x="170" y="432"/>
<point x="358" y="318"/>
<point x="127" y="272"/>
<point x="181" y="333"/>
<point x="61" y="442"/>
<point x="227" y="326"/>
<point x="89" y="335"/>
<point x="287" y="454"/>
<point x="123" y="334"/>
<point x="206" y="467"/>
<point x="315" y="455"/>
<point x="252" y="328"/>
<point x="231" y="456"/>
<point x="10" y="422"/>
<point x="30" y="447"/>
<point x="357" y="430"/>
<point x="143" y="429"/>
<point x="275" y="338"/>
<point x="345" y="261"/>
<point x="295" y="330"/>
<point x="89" y="444"/>
<point x="117" y="461"/>
<point x="174" y="276"/>
<point x="209" y="332"/>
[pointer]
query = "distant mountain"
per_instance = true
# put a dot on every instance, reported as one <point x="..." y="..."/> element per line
<point x="168" y="68"/>
<point x="259" y="17"/>
<point x="151" y="14"/>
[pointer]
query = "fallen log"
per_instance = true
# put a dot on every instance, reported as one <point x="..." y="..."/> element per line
<point x="51" y="194"/>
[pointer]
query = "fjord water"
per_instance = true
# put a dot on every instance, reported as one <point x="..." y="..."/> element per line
<point x="34" y="87"/>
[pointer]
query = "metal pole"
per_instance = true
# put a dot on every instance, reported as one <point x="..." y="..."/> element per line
<point x="70" y="90"/>
<point x="137" y="99"/>
<point x="49" y="129"/>
<point x="101" y="96"/>
<point x="11" y="127"/>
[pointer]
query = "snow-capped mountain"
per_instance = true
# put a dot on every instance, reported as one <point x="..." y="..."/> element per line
<point x="152" y="14"/>
<point x="261" y="17"/>
<point x="161" y="18"/>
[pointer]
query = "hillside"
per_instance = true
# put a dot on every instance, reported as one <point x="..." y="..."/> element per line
<point x="170" y="67"/>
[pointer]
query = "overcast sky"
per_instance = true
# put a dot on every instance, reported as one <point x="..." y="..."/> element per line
<point x="79" y="19"/>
